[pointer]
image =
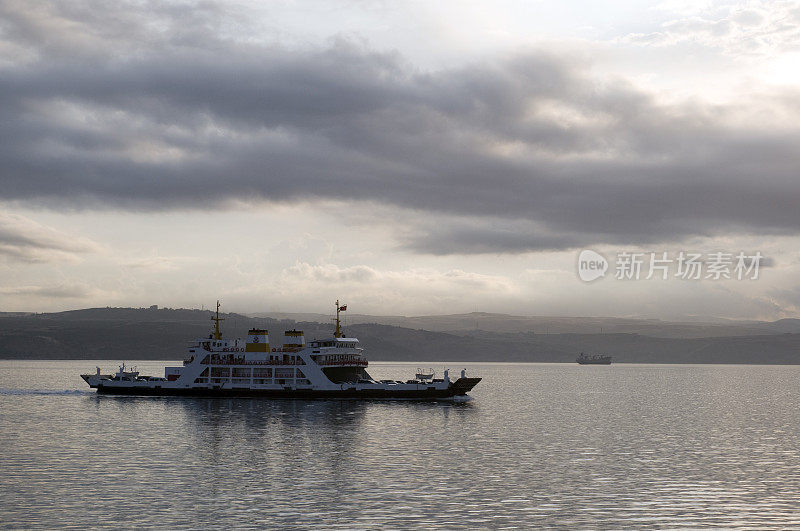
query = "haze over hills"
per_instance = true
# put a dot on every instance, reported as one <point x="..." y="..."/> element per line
<point x="131" y="333"/>
<point x="495" y="322"/>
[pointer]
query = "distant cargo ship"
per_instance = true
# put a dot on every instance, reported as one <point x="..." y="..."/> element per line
<point x="333" y="367"/>
<point x="596" y="359"/>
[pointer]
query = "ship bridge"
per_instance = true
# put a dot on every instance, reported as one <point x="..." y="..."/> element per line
<point x="340" y="358"/>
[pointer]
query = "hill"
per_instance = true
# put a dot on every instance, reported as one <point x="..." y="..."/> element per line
<point x="502" y="323"/>
<point x="130" y="333"/>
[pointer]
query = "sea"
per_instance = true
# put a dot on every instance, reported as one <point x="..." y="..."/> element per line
<point x="624" y="446"/>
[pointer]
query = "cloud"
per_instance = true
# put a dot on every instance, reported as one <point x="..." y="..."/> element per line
<point x="524" y="152"/>
<point x="377" y="290"/>
<point x="23" y="239"/>
<point x="33" y="29"/>
<point x="67" y="291"/>
<point x="747" y="28"/>
<point x="789" y="297"/>
<point x="159" y="263"/>
<point x="477" y="236"/>
<point x="365" y="279"/>
<point x="331" y="273"/>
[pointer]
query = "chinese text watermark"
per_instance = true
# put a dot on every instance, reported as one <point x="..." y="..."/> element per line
<point x="663" y="265"/>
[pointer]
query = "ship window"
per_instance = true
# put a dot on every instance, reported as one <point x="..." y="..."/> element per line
<point x="284" y="373"/>
<point x="220" y="372"/>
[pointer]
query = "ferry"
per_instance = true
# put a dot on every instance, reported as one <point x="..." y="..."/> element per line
<point x="597" y="359"/>
<point x="330" y="368"/>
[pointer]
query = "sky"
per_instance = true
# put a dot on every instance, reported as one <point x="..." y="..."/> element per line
<point x="405" y="157"/>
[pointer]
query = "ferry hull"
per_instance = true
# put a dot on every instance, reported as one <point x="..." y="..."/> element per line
<point x="458" y="388"/>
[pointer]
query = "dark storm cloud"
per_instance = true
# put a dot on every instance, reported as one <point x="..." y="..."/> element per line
<point x="525" y="153"/>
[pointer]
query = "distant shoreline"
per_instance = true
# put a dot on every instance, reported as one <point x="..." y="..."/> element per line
<point x="164" y="334"/>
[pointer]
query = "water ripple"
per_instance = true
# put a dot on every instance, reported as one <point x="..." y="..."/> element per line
<point x="540" y="446"/>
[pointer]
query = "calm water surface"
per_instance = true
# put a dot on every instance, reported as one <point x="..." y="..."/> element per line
<point x="631" y="446"/>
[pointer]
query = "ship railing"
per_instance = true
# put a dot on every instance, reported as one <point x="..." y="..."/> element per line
<point x="357" y="362"/>
<point x="251" y="362"/>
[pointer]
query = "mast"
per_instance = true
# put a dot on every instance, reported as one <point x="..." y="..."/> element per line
<point x="338" y="332"/>
<point x="217" y="319"/>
